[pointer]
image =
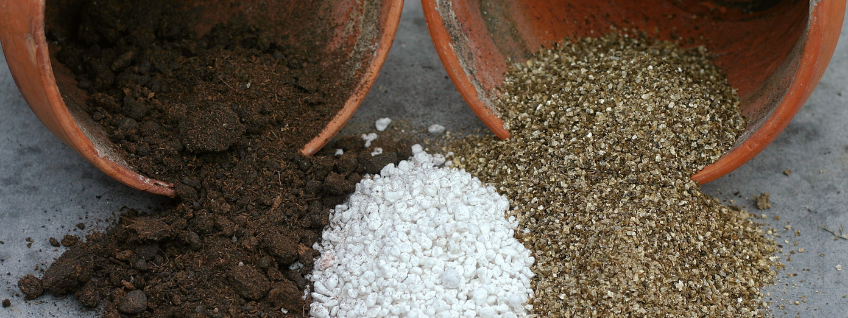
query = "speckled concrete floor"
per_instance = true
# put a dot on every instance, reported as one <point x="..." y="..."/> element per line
<point x="46" y="188"/>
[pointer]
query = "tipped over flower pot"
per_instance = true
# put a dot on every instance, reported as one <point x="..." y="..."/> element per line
<point x="773" y="52"/>
<point x="360" y="32"/>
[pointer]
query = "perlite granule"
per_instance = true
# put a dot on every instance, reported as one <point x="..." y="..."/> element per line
<point x="606" y="133"/>
<point x="419" y="240"/>
<point x="382" y="123"/>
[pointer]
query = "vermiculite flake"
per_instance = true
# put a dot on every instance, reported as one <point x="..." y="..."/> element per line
<point x="606" y="134"/>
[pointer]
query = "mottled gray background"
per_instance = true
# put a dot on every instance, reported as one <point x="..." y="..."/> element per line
<point x="46" y="188"/>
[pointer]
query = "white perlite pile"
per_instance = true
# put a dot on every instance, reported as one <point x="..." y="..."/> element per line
<point x="420" y="240"/>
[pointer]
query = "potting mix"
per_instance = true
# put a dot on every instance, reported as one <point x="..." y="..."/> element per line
<point x="588" y="210"/>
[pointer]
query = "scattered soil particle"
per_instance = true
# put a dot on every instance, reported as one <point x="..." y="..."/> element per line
<point x="81" y="226"/>
<point x="763" y="201"/>
<point x="31" y="286"/>
<point x="54" y="242"/>
<point x="787" y="172"/>
<point x="7" y="303"/>
<point x="70" y="240"/>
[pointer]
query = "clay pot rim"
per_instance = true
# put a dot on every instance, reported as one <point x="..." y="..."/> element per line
<point x="38" y="48"/>
<point x="364" y="85"/>
<point x="73" y="135"/>
<point x="816" y="55"/>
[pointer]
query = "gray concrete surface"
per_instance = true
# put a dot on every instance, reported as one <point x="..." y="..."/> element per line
<point x="46" y="189"/>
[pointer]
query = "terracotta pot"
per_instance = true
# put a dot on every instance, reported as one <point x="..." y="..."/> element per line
<point x="773" y="52"/>
<point x="365" y="30"/>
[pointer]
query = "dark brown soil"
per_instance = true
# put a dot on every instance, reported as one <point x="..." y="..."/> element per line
<point x="172" y="102"/>
<point x="7" y="303"/>
<point x="222" y="117"/>
<point x="233" y="247"/>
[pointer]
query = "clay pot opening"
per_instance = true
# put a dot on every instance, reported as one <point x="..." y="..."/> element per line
<point x="361" y="32"/>
<point x="773" y="51"/>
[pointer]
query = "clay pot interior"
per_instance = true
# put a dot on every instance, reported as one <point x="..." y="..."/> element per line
<point x="361" y="31"/>
<point x="772" y="51"/>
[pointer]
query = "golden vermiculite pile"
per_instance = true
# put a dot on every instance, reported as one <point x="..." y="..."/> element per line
<point x="605" y="136"/>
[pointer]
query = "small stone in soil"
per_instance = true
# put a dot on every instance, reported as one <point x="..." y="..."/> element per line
<point x="135" y="302"/>
<point x="6" y="303"/>
<point x="787" y="172"/>
<point x="194" y="240"/>
<point x="763" y="201"/>
<point x="30" y="286"/>
<point x="54" y="242"/>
